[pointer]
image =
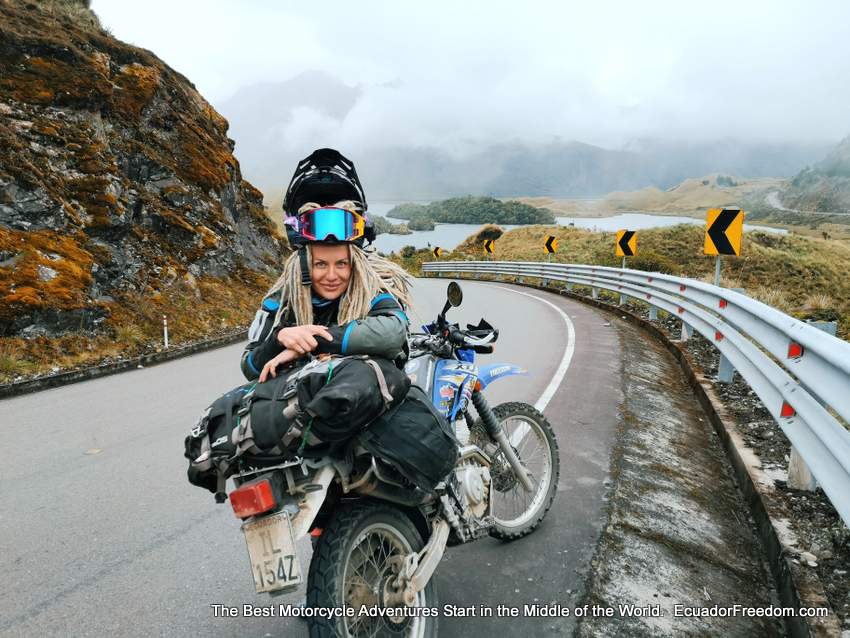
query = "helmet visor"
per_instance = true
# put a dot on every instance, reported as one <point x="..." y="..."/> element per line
<point x="331" y="224"/>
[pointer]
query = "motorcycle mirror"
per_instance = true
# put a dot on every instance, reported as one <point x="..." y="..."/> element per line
<point x="455" y="296"/>
<point x="454" y="293"/>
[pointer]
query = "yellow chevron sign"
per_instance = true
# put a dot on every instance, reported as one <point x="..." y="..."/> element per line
<point x="724" y="228"/>
<point x="626" y="245"/>
<point x="437" y="252"/>
<point x="551" y="244"/>
<point x="490" y="245"/>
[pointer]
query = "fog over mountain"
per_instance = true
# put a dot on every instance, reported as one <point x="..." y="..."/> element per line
<point x="534" y="97"/>
<point x="273" y="124"/>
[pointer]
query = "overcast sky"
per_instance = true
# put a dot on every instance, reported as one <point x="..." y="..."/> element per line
<point x="459" y="74"/>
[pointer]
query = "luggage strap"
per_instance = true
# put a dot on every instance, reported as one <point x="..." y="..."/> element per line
<point x="306" y="434"/>
<point x="382" y="383"/>
<point x="243" y="434"/>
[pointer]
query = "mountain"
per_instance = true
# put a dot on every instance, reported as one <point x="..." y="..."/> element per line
<point x="264" y="117"/>
<point x="120" y="197"/>
<point x="823" y="187"/>
<point x="276" y="124"/>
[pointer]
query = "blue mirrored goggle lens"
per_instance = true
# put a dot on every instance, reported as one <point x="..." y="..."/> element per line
<point x="323" y="223"/>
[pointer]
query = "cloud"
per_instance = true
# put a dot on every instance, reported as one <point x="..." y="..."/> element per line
<point x="459" y="76"/>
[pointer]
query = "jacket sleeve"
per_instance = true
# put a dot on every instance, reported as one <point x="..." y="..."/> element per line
<point x="262" y="340"/>
<point x="383" y="333"/>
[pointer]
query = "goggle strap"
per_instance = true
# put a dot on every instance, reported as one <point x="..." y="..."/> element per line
<point x="305" y="267"/>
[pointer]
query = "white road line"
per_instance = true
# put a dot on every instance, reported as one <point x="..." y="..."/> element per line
<point x="550" y="390"/>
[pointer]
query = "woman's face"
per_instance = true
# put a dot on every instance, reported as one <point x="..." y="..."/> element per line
<point x="331" y="270"/>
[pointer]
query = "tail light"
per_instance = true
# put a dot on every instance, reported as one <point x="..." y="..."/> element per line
<point x="252" y="499"/>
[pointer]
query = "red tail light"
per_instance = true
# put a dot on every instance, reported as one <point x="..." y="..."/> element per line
<point x="252" y="499"/>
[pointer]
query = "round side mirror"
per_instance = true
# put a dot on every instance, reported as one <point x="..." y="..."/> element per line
<point x="454" y="294"/>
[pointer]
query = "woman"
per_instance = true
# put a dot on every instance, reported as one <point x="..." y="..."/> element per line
<point x="332" y="297"/>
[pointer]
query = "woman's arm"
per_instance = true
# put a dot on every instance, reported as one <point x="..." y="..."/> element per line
<point x="262" y="340"/>
<point x="383" y="333"/>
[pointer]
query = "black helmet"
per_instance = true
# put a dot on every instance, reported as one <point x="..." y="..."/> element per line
<point x="325" y="177"/>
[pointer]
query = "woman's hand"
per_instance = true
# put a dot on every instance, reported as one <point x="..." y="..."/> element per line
<point x="270" y="369"/>
<point x="302" y="339"/>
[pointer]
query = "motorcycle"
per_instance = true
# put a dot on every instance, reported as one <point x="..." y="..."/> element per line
<point x="377" y="539"/>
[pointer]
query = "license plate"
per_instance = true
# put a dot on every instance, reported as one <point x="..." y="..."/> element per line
<point x="271" y="549"/>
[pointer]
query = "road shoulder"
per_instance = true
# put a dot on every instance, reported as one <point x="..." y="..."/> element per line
<point x="677" y="533"/>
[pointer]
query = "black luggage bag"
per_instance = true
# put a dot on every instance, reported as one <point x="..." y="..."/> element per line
<point x="303" y="412"/>
<point x="416" y="439"/>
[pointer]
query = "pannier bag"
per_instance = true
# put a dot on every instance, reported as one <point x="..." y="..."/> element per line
<point x="320" y="403"/>
<point x="416" y="439"/>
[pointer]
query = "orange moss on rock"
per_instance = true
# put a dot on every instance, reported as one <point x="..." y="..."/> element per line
<point x="92" y="194"/>
<point x="173" y="218"/>
<point x="53" y="81"/>
<point x="49" y="271"/>
<point x="203" y="160"/>
<point x="136" y="85"/>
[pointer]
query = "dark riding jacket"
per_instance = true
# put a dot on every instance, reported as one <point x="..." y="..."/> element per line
<point x="382" y="333"/>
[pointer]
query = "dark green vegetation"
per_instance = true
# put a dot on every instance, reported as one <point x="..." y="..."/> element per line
<point x="473" y="210"/>
<point x="382" y="225"/>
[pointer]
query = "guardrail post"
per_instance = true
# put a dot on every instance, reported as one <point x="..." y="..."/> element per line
<point x="687" y="331"/>
<point x="799" y="475"/>
<point x="725" y="369"/>
<point x="622" y="299"/>
<point x="569" y="287"/>
<point x="653" y="313"/>
<point x="829" y="327"/>
<point x="594" y="292"/>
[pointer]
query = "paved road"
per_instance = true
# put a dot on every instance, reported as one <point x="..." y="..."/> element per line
<point x="100" y="534"/>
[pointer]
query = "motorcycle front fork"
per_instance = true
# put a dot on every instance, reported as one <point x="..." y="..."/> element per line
<point x="498" y="435"/>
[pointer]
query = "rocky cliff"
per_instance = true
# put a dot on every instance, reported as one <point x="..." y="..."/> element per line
<point x="120" y="198"/>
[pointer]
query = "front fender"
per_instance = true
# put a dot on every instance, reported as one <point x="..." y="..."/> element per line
<point x="489" y="373"/>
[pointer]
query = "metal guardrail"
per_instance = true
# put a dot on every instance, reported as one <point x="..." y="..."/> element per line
<point x="801" y="374"/>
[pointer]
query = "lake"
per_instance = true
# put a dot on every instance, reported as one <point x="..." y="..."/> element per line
<point x="449" y="236"/>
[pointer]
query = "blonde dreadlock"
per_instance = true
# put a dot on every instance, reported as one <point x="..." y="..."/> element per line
<point x="371" y="274"/>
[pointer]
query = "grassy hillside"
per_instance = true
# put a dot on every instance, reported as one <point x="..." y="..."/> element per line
<point x="803" y="276"/>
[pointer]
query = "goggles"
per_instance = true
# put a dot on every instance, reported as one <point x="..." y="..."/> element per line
<point x="331" y="224"/>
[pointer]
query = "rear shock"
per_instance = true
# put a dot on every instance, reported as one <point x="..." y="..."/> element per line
<point x="497" y="434"/>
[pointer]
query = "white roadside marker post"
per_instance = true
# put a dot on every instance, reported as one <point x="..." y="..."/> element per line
<point x="165" y="331"/>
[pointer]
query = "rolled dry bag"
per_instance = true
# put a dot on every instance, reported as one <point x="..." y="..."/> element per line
<point x="416" y="439"/>
<point x="341" y="395"/>
<point x="298" y="412"/>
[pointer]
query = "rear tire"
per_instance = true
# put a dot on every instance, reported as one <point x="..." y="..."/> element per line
<point x="350" y="564"/>
<point x="516" y="512"/>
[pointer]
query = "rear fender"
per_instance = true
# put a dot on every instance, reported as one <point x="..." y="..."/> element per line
<point x="489" y="373"/>
<point x="312" y="502"/>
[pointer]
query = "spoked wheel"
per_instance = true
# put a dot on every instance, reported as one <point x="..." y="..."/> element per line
<point x="516" y="511"/>
<point x="354" y="565"/>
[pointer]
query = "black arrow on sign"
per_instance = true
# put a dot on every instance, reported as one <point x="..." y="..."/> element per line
<point x="549" y="247"/>
<point x="624" y="243"/>
<point x="717" y="231"/>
